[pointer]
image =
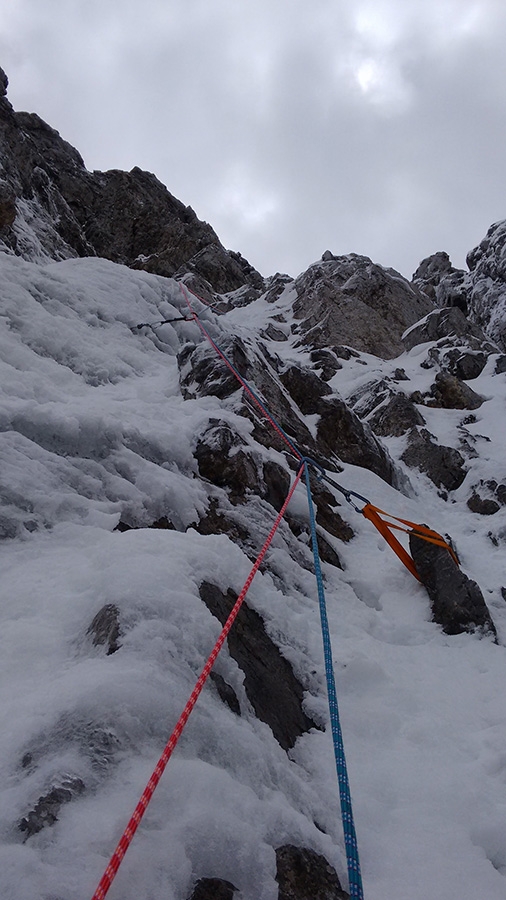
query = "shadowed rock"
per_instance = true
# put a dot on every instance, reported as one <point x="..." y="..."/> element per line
<point x="213" y="889"/>
<point x="271" y="686"/>
<point x="443" y="465"/>
<point x="467" y="365"/>
<point x="305" y="388"/>
<point x="226" y="692"/>
<point x="127" y="217"/>
<point x="223" y="462"/>
<point x="485" y="506"/>
<point x="303" y="874"/>
<point x="457" y="602"/>
<point x="341" y="433"/>
<point x="396" y="417"/>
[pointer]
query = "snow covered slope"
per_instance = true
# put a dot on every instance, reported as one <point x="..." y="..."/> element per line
<point x="96" y="430"/>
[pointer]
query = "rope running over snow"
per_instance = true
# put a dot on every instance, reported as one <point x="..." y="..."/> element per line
<point x="140" y="809"/>
<point x="350" y="838"/>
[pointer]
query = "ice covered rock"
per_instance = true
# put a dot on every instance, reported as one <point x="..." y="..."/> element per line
<point x="444" y="284"/>
<point x="105" y="628"/>
<point x="487" y="265"/>
<point x="45" y="812"/>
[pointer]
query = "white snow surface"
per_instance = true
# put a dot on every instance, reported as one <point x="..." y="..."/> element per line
<point x="94" y="428"/>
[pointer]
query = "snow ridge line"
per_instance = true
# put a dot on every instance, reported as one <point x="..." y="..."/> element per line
<point x="140" y="809"/>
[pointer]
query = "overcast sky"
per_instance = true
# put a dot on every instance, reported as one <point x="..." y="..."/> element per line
<point x="369" y="126"/>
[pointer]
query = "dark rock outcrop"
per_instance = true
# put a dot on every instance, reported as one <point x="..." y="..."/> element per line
<point x="396" y="417"/>
<point x="226" y="692"/>
<point x="213" y="889"/>
<point x="457" y="602"/>
<point x="443" y="465"/>
<point x="500" y="366"/>
<point x="488" y="505"/>
<point x="482" y="505"/>
<point x="451" y="393"/>
<point x="305" y="388"/>
<point x="468" y="364"/>
<point x="271" y="686"/>
<point x="444" y="284"/>
<point x="341" y="434"/>
<point x="127" y="217"/>
<point x="303" y="874"/>
<point x="105" y="628"/>
<point x="351" y="300"/>
<point x="223" y="462"/>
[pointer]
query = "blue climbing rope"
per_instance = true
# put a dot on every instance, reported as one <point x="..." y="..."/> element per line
<point x="350" y="838"/>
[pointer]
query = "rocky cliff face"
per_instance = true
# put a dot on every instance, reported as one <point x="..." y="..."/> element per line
<point x="138" y="481"/>
<point x="51" y="207"/>
<point x="479" y="293"/>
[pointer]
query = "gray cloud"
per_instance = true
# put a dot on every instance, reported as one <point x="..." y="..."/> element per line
<point x="291" y="127"/>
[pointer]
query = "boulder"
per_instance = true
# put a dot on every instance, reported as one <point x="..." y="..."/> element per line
<point x="305" y="388"/>
<point x="488" y="505"/>
<point x="303" y="874"/>
<point x="451" y="393"/>
<point x="395" y="418"/>
<point x="443" y="465"/>
<point x="482" y="505"/>
<point x="457" y="602"/>
<point x="223" y="462"/>
<point x="467" y="365"/>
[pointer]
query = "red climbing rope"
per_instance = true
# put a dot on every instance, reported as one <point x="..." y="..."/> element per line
<point x="140" y="809"/>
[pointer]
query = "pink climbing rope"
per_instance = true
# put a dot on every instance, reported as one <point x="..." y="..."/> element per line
<point x="140" y="809"/>
<point x="245" y="385"/>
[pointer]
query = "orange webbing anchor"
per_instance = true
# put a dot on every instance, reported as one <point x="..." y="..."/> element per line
<point x="374" y="514"/>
